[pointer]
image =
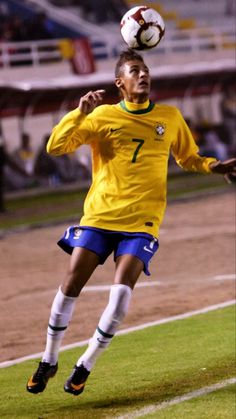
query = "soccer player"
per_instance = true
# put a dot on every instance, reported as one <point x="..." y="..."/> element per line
<point x="131" y="142"/>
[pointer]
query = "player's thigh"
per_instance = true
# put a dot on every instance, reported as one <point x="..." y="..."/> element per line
<point x="128" y="270"/>
<point x="81" y="266"/>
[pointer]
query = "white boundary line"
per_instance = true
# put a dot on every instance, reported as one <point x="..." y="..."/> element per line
<point x="125" y="331"/>
<point x="91" y="288"/>
<point x="228" y="277"/>
<point x="144" y="284"/>
<point x="152" y="408"/>
<point x="97" y="288"/>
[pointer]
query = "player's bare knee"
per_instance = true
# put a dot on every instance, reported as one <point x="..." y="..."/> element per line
<point x="71" y="286"/>
<point x="70" y="290"/>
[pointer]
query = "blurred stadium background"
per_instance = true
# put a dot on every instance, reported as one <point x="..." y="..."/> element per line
<point x="52" y="52"/>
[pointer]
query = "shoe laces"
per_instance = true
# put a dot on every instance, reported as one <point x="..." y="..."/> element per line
<point x="42" y="369"/>
<point x="80" y="374"/>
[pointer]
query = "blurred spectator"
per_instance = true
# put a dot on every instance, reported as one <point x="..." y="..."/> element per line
<point x="228" y="109"/>
<point x="70" y="169"/>
<point x="12" y="175"/>
<point x="15" y="29"/>
<point x="18" y="171"/>
<point x="106" y="11"/>
<point x="4" y="10"/>
<point x="6" y="31"/>
<point x="52" y="171"/>
<point x="45" y="167"/>
<point x="24" y="155"/>
<point x="18" y="29"/>
<point x="230" y="7"/>
<point x="211" y="140"/>
<point x="39" y="28"/>
<point x="211" y="144"/>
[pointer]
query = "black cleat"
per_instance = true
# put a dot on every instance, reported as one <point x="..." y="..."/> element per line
<point x="76" y="382"/>
<point x="38" y="381"/>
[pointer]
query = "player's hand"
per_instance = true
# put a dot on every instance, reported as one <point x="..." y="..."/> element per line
<point x="227" y="168"/>
<point x="90" y="101"/>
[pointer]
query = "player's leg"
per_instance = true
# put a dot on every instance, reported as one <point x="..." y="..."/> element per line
<point x="81" y="266"/>
<point x="132" y="255"/>
<point x="128" y="269"/>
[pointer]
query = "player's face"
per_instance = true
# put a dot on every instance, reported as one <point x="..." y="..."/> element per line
<point x="134" y="81"/>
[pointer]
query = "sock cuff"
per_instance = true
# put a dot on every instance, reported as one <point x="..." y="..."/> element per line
<point x="66" y="297"/>
<point x="124" y="287"/>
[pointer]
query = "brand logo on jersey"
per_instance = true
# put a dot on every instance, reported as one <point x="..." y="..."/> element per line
<point x="115" y="129"/>
<point x="160" y="131"/>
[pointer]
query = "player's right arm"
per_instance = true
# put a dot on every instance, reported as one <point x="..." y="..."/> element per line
<point x="89" y="101"/>
<point x="66" y="136"/>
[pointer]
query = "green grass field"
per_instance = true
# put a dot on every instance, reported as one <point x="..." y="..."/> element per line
<point x="139" y="369"/>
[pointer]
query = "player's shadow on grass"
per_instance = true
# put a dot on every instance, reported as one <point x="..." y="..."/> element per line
<point x="145" y="394"/>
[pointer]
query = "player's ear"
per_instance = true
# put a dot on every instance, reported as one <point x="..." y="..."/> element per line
<point x="119" y="82"/>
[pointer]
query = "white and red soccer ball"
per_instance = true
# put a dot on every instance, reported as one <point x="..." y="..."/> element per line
<point x="142" y="28"/>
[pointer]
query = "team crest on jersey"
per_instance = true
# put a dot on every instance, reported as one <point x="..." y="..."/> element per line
<point x="160" y="130"/>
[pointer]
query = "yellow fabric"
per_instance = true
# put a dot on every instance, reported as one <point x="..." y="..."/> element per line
<point x="130" y="158"/>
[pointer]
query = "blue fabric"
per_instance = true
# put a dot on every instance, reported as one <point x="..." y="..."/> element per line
<point x="104" y="242"/>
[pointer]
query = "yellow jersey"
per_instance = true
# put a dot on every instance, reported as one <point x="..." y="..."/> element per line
<point x="130" y="146"/>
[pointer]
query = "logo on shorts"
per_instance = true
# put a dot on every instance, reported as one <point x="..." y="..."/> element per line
<point x="150" y="249"/>
<point x="77" y="233"/>
<point x="147" y="249"/>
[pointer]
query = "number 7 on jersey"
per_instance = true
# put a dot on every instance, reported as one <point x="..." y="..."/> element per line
<point x="136" y="151"/>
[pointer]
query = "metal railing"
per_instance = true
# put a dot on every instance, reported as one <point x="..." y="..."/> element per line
<point x="30" y="52"/>
<point x="194" y="41"/>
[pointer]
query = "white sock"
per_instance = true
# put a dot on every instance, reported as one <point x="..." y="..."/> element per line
<point x="114" y="313"/>
<point x="61" y="313"/>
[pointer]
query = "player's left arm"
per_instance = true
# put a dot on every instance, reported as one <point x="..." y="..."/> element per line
<point x="186" y="151"/>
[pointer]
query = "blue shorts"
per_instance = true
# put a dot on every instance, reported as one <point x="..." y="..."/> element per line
<point x="104" y="242"/>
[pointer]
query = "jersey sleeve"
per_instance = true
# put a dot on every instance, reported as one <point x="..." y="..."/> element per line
<point x="186" y="151"/>
<point x="74" y="129"/>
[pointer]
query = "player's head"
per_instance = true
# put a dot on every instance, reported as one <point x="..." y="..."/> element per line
<point x="132" y="76"/>
<point x="127" y="55"/>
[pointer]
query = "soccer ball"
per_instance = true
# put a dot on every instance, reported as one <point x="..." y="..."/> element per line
<point x="142" y="27"/>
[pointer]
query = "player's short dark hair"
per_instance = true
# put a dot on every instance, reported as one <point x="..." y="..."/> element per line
<point x="127" y="55"/>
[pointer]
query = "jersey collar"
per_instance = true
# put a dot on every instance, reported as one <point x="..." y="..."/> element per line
<point x="137" y="108"/>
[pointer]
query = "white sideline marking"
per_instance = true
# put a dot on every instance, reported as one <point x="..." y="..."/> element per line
<point x="105" y="288"/>
<point x="125" y="331"/>
<point x="225" y="277"/>
<point x="91" y="288"/>
<point x="152" y="408"/>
